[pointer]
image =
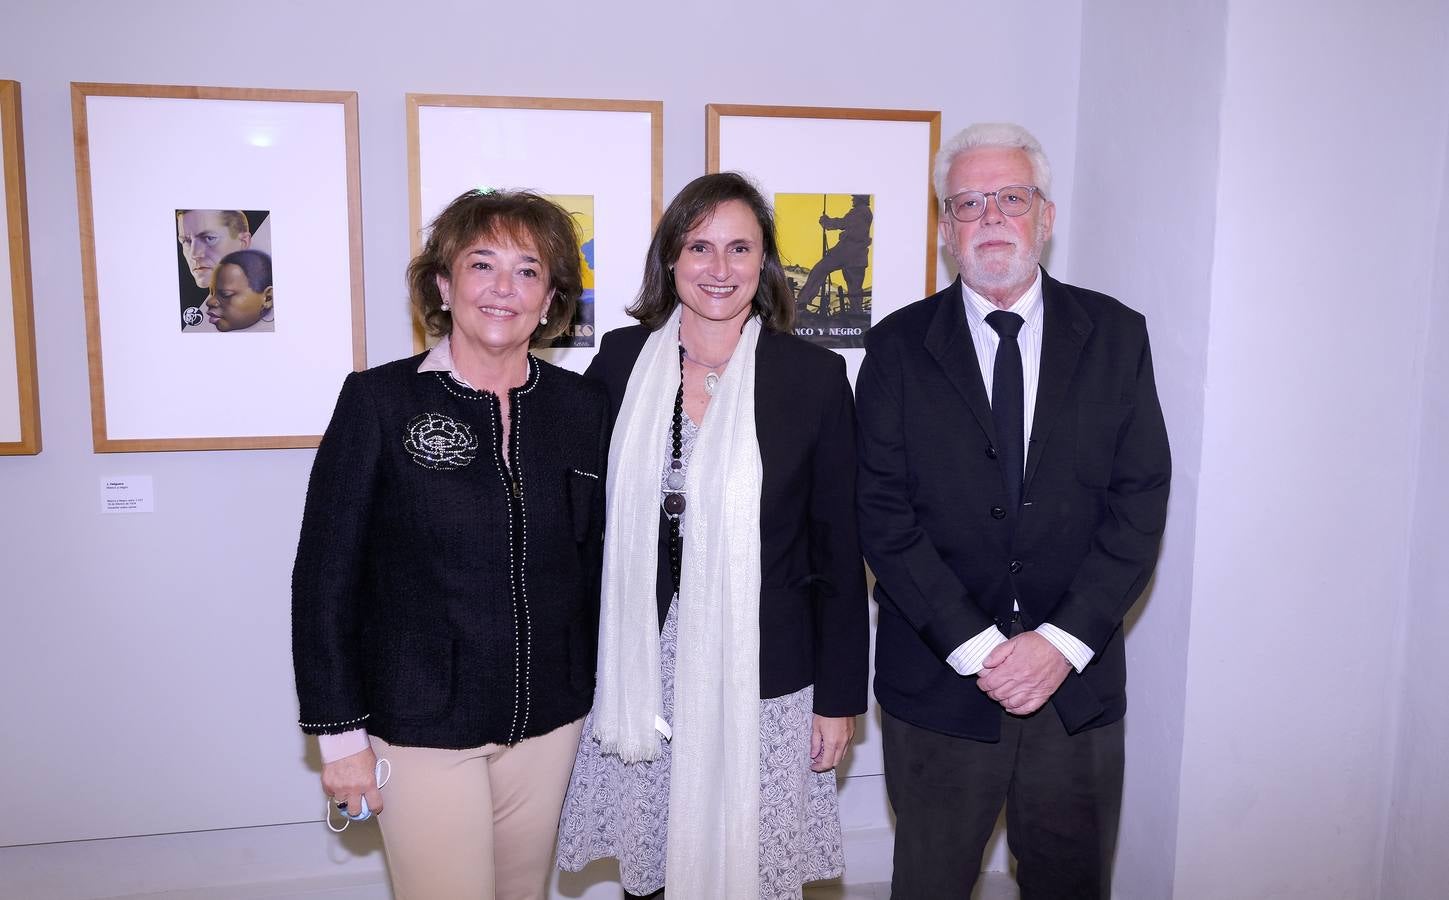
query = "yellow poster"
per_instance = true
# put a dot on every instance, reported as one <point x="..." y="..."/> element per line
<point x="580" y="332"/>
<point x="825" y="245"/>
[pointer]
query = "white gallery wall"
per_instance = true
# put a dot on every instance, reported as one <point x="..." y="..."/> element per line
<point x="1287" y="725"/>
<point x="1415" y="864"/>
<point x="1268" y="183"/>
<point x="1144" y="207"/>
<point x="1327" y="237"/>
<point x="146" y="658"/>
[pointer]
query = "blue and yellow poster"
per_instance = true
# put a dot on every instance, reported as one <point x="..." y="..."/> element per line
<point x="580" y="332"/>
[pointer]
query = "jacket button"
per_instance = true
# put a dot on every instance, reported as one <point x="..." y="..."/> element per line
<point x="1014" y="567"/>
<point x="990" y="452"/>
<point x="998" y="513"/>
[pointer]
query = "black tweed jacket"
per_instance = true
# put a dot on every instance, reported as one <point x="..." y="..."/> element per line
<point x="439" y="597"/>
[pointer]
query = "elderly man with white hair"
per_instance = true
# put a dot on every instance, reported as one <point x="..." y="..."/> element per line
<point x="1014" y="474"/>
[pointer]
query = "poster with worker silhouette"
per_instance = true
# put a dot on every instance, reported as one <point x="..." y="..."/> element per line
<point x="825" y="246"/>
<point x="580" y="332"/>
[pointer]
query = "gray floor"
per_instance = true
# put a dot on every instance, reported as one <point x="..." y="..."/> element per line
<point x="992" y="886"/>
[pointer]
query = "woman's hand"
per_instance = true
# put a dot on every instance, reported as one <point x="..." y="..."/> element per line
<point x="351" y="779"/>
<point x="829" y="737"/>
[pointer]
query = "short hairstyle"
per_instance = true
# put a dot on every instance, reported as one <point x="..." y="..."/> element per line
<point x="773" y="302"/>
<point x="519" y="217"/>
<point x="1004" y="135"/>
<point x="234" y="219"/>
<point x="256" y="265"/>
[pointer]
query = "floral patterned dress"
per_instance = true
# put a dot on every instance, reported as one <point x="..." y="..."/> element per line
<point x="621" y="810"/>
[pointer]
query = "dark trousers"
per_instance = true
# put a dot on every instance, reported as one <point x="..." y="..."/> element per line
<point x="1063" y="797"/>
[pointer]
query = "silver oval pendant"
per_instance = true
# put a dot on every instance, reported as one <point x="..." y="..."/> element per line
<point x="711" y="381"/>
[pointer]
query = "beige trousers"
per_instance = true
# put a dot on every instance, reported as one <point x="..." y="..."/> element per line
<point x="475" y="824"/>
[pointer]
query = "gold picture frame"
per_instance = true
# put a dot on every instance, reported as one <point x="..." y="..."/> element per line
<point x="610" y="151"/>
<point x="882" y="156"/>
<point x="20" y="417"/>
<point x="292" y="153"/>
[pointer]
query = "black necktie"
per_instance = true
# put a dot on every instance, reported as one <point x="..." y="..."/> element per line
<point x="1007" y="402"/>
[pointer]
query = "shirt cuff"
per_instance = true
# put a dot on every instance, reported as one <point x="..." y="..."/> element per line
<point x="967" y="658"/>
<point x="337" y="746"/>
<point x="1076" y="652"/>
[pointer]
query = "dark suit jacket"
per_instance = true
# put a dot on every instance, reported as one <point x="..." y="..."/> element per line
<point x="451" y="603"/>
<point x="949" y="556"/>
<point x="814" y="622"/>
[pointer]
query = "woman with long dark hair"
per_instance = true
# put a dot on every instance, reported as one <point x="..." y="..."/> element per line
<point x="734" y="633"/>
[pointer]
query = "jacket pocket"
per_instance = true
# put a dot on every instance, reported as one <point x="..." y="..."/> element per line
<point x="1098" y="427"/>
<point x="410" y="675"/>
<point x="583" y="491"/>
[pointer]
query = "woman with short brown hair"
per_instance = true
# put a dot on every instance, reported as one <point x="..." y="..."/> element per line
<point x="445" y="593"/>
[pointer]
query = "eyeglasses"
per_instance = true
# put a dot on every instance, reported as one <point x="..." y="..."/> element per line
<point x="1012" y="200"/>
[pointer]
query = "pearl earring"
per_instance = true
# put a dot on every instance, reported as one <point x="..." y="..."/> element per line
<point x="446" y="307"/>
<point x="543" y="320"/>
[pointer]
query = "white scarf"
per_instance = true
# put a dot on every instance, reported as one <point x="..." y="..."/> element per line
<point x="713" y="842"/>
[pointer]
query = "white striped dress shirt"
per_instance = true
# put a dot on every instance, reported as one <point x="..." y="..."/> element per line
<point x="968" y="657"/>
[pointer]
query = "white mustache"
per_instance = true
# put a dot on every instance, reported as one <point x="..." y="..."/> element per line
<point x="983" y="239"/>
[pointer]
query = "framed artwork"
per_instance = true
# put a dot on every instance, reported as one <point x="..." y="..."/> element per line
<point x="853" y="204"/>
<point x="191" y="200"/>
<point x="19" y="389"/>
<point x="600" y="159"/>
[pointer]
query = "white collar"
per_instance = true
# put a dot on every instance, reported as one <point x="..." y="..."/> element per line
<point x="440" y="359"/>
<point x="1028" y="305"/>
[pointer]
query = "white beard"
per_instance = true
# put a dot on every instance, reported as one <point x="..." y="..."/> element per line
<point x="999" y="273"/>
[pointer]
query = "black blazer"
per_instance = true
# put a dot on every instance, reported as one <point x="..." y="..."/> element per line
<point x="451" y="602"/>
<point x="814" y="623"/>
<point x="950" y="558"/>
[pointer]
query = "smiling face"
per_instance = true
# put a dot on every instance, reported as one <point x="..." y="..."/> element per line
<point x="997" y="254"/>
<point x="205" y="238"/>
<point x="233" y="304"/>
<point x="718" y="269"/>
<point x="497" y="291"/>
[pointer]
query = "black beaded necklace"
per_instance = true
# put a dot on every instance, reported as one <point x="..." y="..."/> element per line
<point x="674" y="500"/>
